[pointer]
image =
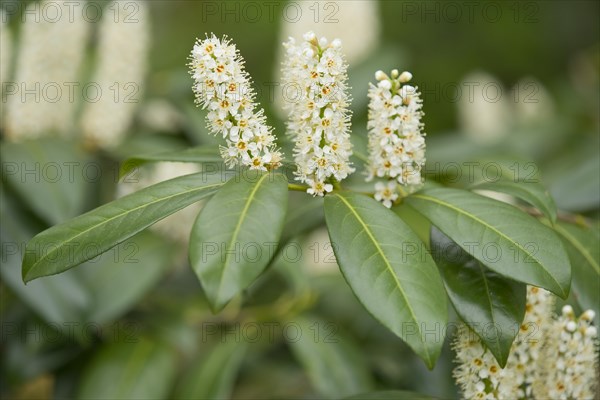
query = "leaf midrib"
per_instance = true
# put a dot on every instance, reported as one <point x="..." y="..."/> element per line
<point x="389" y="268"/>
<point x="489" y="298"/>
<point x="502" y="235"/>
<point x="236" y="231"/>
<point x="118" y="216"/>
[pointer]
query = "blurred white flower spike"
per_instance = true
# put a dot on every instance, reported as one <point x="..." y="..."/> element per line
<point x="123" y="50"/>
<point x="396" y="138"/>
<point x="5" y="49"/>
<point x="48" y="62"/>
<point x="318" y="109"/>
<point x="222" y="86"/>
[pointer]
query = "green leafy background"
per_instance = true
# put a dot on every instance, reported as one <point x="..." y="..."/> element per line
<point x="136" y="322"/>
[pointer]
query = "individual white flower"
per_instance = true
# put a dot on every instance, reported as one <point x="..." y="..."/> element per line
<point x="319" y="119"/>
<point x="222" y="86"/>
<point x="396" y="139"/>
<point x="176" y="226"/>
<point x="318" y="188"/>
<point x="46" y="72"/>
<point x="386" y="193"/>
<point x="122" y="63"/>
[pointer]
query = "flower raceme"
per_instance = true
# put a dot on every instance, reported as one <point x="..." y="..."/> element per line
<point x="319" y="118"/>
<point x="122" y="64"/>
<point x="551" y="357"/>
<point x="396" y="140"/>
<point x="222" y="86"/>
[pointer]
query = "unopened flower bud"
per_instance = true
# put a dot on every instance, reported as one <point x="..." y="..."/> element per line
<point x="405" y="77"/>
<point x="380" y="75"/>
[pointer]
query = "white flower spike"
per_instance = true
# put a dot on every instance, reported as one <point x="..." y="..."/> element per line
<point x="396" y="139"/>
<point x="569" y="342"/>
<point x="222" y="86"/>
<point x="572" y="346"/>
<point x="121" y="71"/>
<point x="50" y="55"/>
<point x="319" y="118"/>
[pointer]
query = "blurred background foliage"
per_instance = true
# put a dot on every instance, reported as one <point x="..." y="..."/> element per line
<point x="134" y="323"/>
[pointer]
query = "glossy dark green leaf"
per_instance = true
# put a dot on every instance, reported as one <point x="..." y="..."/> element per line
<point x="583" y="247"/>
<point x="334" y="364"/>
<point x="84" y="237"/>
<point x="391" y="395"/>
<point x="531" y="192"/>
<point x="52" y="176"/>
<point x="418" y="223"/>
<point x="491" y="305"/>
<point x="142" y="369"/>
<point x="213" y="376"/>
<point x="303" y="216"/>
<point x="98" y="291"/>
<point x="236" y="234"/>
<point x="389" y="270"/>
<point x="502" y="237"/>
<point x="117" y="279"/>
<point x="56" y="300"/>
<point x="200" y="154"/>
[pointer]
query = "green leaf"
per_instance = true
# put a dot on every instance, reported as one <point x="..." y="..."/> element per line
<point x="583" y="249"/>
<point x="530" y="192"/>
<point x="491" y="305"/>
<point x="57" y="299"/>
<point x="201" y="154"/>
<point x="84" y="237"/>
<point x="391" y="395"/>
<point x="117" y="279"/>
<point x="303" y="216"/>
<point x="503" y="238"/>
<point x="578" y="188"/>
<point x="98" y="291"/>
<point x="213" y="376"/>
<point x="51" y="176"/>
<point x="236" y="234"/>
<point x="139" y="370"/>
<point x="418" y="223"/>
<point x="389" y="270"/>
<point x="334" y="364"/>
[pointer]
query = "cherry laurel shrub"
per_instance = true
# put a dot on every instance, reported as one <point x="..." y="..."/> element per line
<point x="402" y="274"/>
